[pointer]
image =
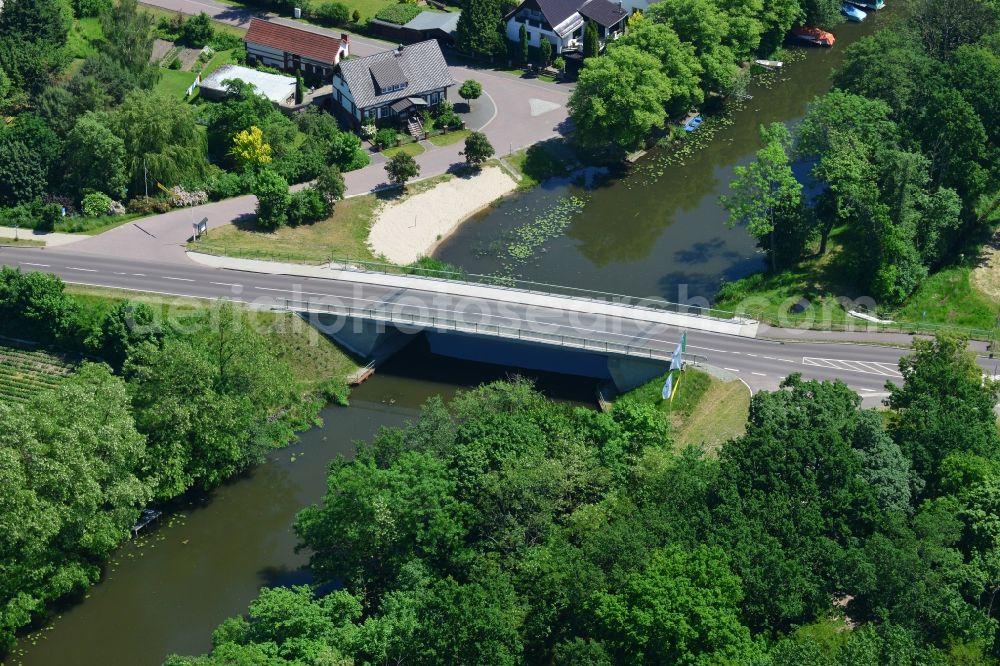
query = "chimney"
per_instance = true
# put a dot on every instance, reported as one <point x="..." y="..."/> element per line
<point x="399" y="49"/>
<point x="344" y="37"/>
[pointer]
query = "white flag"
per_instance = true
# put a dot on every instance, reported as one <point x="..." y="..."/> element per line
<point x="668" y="387"/>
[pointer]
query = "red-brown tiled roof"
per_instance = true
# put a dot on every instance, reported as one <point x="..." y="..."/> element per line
<point x="305" y="43"/>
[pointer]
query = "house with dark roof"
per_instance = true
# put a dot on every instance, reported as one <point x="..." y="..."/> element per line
<point x="392" y="85"/>
<point x="562" y="22"/>
<point x="294" y="49"/>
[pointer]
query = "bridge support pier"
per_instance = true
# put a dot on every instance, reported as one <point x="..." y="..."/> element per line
<point x="628" y="373"/>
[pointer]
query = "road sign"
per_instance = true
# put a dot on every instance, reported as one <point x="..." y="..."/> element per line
<point x="200" y="227"/>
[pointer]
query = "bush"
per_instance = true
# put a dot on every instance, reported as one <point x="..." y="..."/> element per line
<point x="359" y="161"/>
<point x="356" y="16"/>
<point x="84" y="8"/>
<point x="273" y="199"/>
<point x="386" y="138"/>
<point x="226" y="184"/>
<point x="226" y="41"/>
<point x="300" y="165"/>
<point x="64" y="202"/>
<point x="307" y="206"/>
<point x="333" y="13"/>
<point x="398" y="13"/>
<point x="175" y="63"/>
<point x="96" y="204"/>
<point x="148" y="205"/>
<point x="197" y="31"/>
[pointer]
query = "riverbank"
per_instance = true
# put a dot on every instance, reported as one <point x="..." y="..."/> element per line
<point x="410" y="228"/>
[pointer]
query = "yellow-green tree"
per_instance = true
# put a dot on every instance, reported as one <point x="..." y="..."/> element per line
<point x="250" y="150"/>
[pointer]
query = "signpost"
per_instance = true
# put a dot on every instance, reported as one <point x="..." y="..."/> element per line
<point x="200" y="228"/>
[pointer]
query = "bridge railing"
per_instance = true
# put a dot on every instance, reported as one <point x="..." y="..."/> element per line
<point x="510" y="330"/>
<point x="539" y="288"/>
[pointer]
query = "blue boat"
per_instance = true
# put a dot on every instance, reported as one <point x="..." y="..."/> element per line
<point x="693" y="124"/>
<point x="853" y="13"/>
<point x="868" y="4"/>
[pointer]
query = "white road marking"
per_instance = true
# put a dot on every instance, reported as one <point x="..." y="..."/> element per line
<point x="167" y="277"/>
<point x="225" y="284"/>
<point x="867" y="390"/>
<point x="731" y="369"/>
<point x="749" y="354"/>
<point x="117" y="273"/>
<point x="864" y="367"/>
<point x="85" y="270"/>
<point x="309" y="293"/>
<point x="769" y="358"/>
<point x="139" y="274"/>
<point x="759" y="374"/>
<point x="28" y="263"/>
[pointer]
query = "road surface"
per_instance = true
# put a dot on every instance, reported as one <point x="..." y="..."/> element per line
<point x="762" y="364"/>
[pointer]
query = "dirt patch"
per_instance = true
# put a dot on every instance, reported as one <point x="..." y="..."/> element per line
<point x="986" y="276"/>
<point x="188" y="58"/>
<point x="161" y="47"/>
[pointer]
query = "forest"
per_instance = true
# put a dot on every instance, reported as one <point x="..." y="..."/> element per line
<point x="506" y="528"/>
<point x="153" y="411"/>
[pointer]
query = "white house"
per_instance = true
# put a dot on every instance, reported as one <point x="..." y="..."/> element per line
<point x="562" y="22"/>
<point x="393" y="84"/>
<point x="294" y="49"/>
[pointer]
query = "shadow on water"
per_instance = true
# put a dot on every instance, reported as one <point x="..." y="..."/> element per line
<point x="166" y="592"/>
<point x="657" y="230"/>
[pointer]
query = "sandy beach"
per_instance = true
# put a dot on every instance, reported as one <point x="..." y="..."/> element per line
<point x="405" y="231"/>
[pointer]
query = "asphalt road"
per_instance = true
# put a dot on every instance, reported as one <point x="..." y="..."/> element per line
<point x="762" y="364"/>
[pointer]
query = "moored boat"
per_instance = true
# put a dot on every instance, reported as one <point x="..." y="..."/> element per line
<point x="814" y="36"/>
<point x="853" y="13"/>
<point x="868" y="4"/>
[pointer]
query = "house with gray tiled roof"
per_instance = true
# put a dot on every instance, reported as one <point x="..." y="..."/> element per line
<point x="392" y="85"/>
<point x="562" y="22"/>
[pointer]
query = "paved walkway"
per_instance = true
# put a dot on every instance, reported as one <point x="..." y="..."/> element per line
<point x="50" y="238"/>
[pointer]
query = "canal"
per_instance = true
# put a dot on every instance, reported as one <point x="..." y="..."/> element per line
<point x="656" y="230"/>
<point x="167" y="592"/>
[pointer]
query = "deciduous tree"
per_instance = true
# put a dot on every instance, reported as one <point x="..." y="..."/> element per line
<point x="619" y="98"/>
<point x="765" y="192"/>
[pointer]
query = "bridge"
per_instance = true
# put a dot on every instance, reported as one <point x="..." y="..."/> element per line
<point x="624" y="339"/>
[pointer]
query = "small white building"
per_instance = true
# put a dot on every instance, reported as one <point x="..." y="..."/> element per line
<point x="294" y="49"/>
<point x="562" y="22"/>
<point x="277" y="88"/>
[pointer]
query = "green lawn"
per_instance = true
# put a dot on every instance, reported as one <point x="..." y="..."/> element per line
<point x="948" y="297"/>
<point x="218" y="60"/>
<point x="449" y="138"/>
<point x="93" y="225"/>
<point x="411" y="149"/>
<point x="174" y="83"/>
<point x="344" y="234"/>
<point x="705" y="410"/>
<point x="83" y="35"/>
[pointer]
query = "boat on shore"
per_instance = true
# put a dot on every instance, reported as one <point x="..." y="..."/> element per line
<point x="868" y="4"/>
<point x="813" y="36"/>
<point x="853" y="13"/>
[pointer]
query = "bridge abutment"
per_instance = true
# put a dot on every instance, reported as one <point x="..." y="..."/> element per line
<point x="628" y="373"/>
